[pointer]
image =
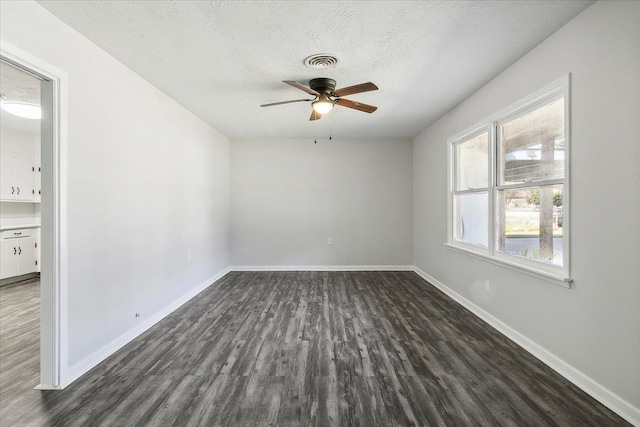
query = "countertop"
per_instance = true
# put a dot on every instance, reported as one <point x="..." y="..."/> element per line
<point x="16" y="227"/>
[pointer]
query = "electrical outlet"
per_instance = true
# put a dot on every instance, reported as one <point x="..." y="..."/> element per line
<point x="188" y="255"/>
<point x="487" y="286"/>
<point x="137" y="314"/>
<point x="329" y="241"/>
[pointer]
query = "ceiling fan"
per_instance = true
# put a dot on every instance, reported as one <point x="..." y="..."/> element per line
<point x="326" y="96"/>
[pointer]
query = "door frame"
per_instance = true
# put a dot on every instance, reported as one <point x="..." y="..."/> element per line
<point x="53" y="231"/>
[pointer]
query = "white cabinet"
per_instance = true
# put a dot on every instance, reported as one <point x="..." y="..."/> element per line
<point x="8" y="261"/>
<point x="37" y="173"/>
<point x="17" y="178"/>
<point x="18" y="250"/>
<point x="38" y="184"/>
<point x="26" y="256"/>
<point x="7" y="177"/>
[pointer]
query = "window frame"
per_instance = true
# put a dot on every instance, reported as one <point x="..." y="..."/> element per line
<point x="454" y="144"/>
<point x="553" y="273"/>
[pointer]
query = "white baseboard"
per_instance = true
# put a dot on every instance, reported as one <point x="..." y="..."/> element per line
<point x="588" y="385"/>
<point x="322" y="268"/>
<point x="76" y="371"/>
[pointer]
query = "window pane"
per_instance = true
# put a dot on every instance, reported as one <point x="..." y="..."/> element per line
<point x="471" y="218"/>
<point x="472" y="165"/>
<point x="532" y="145"/>
<point x="530" y="223"/>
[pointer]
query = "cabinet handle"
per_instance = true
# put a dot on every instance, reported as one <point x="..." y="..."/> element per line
<point x="17" y="190"/>
<point x="19" y="250"/>
<point x="18" y="234"/>
<point x="13" y="190"/>
<point x="15" y="251"/>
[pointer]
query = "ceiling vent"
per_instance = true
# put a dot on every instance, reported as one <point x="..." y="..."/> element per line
<point x="321" y="60"/>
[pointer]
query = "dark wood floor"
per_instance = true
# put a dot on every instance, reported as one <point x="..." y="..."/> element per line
<point x="299" y="349"/>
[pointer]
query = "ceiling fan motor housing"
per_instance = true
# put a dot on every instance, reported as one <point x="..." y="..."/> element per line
<point x="323" y="85"/>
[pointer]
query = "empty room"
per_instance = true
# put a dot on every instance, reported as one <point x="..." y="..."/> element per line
<point x="341" y="213"/>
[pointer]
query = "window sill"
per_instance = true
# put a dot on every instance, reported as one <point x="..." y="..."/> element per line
<point x="543" y="275"/>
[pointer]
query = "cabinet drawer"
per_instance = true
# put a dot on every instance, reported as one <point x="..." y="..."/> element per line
<point x="16" y="234"/>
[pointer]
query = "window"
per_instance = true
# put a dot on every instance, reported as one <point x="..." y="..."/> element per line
<point x="471" y="194"/>
<point x="509" y="187"/>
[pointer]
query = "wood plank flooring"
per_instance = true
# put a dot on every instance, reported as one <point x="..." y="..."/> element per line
<point x="19" y="345"/>
<point x="302" y="349"/>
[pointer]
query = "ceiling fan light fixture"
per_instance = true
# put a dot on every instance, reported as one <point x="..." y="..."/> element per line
<point x="323" y="105"/>
<point x="22" y="109"/>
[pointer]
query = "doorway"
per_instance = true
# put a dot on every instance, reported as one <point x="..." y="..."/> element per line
<point x="30" y="212"/>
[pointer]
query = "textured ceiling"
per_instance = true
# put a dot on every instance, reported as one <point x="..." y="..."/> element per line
<point x="222" y="59"/>
<point x="19" y="86"/>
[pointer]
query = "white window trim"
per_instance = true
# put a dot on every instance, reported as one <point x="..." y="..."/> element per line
<point x="548" y="272"/>
<point x="476" y="131"/>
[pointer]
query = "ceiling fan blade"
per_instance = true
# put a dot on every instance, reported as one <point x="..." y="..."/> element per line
<point x="315" y="115"/>
<point x="301" y="87"/>
<point x="356" y="105"/>
<point x="350" y="90"/>
<point x="285" y="102"/>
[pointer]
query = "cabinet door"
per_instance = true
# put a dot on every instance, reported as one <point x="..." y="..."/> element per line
<point x="37" y="161"/>
<point x="26" y="255"/>
<point x="8" y="261"/>
<point x="24" y="179"/>
<point x="38" y="254"/>
<point x="7" y="177"/>
<point x="38" y="184"/>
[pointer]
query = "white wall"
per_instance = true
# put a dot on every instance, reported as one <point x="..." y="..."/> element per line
<point x="19" y="142"/>
<point x="146" y="181"/>
<point x="289" y="196"/>
<point x="595" y="326"/>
